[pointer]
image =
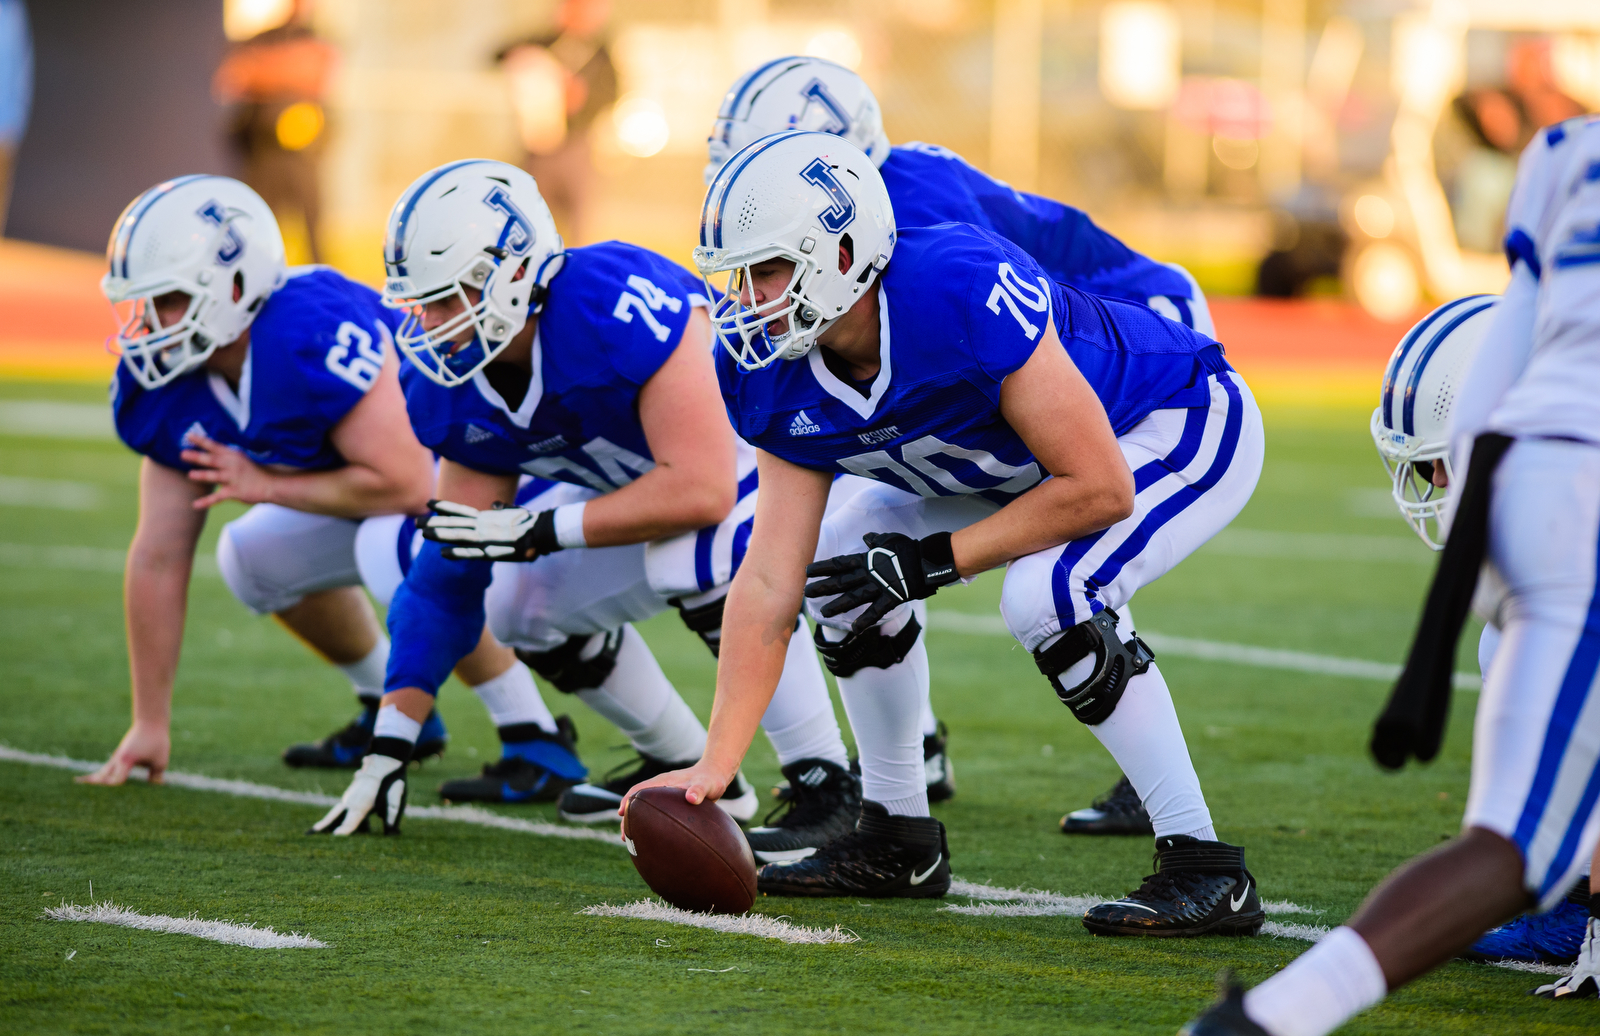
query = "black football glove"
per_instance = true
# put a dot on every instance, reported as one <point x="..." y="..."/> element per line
<point x="499" y="534"/>
<point x="895" y="569"/>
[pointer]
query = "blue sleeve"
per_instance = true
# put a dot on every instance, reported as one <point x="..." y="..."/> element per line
<point x="435" y="619"/>
<point x="1010" y="304"/>
<point x="644" y="313"/>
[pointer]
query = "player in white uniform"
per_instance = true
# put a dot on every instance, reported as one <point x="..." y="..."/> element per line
<point x="1531" y="499"/>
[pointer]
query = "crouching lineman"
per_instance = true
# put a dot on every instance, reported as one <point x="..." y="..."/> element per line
<point x="243" y="380"/>
<point x="933" y="363"/>
<point x="928" y="185"/>
<point x="1531" y="498"/>
<point x="591" y="370"/>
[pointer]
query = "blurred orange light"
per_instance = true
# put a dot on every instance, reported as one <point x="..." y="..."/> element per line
<point x="1374" y="216"/>
<point x="298" y="125"/>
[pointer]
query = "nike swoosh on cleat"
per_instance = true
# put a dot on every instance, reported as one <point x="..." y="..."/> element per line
<point x="917" y="879"/>
<point x="1237" y="903"/>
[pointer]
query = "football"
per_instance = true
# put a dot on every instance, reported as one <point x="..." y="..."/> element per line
<point x="694" y="857"/>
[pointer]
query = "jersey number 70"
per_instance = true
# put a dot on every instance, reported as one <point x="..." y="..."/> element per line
<point x="1011" y="290"/>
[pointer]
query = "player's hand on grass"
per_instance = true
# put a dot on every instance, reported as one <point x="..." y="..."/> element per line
<point x="499" y="534"/>
<point x="233" y="475"/>
<point x="143" y="745"/>
<point x="700" y="783"/>
<point x="893" y="570"/>
<point x="379" y="787"/>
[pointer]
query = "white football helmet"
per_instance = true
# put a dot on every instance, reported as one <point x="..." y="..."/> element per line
<point x="1411" y="424"/>
<point x="794" y="196"/>
<point x="797" y="93"/>
<point x="209" y="237"/>
<point x="480" y="232"/>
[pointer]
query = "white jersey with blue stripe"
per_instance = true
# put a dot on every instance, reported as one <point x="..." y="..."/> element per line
<point x="316" y="348"/>
<point x="1553" y="229"/>
<point x="929" y="184"/>
<point x="613" y="316"/>
<point x="960" y="309"/>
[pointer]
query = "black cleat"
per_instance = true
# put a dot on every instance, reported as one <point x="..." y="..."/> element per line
<point x="823" y="804"/>
<point x="1195" y="891"/>
<point x="598" y="803"/>
<point x="344" y="748"/>
<point x="903" y="857"/>
<point x="1117" y="812"/>
<point x="537" y="767"/>
<point x="1226" y="1017"/>
<point x="941" y="774"/>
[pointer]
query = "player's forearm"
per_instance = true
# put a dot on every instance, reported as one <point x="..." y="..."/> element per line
<point x="758" y="620"/>
<point x="662" y="503"/>
<point x="353" y="491"/>
<point x="155" y="600"/>
<point x="1046" y="516"/>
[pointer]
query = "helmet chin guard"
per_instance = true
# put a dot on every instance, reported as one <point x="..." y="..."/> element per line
<point x="477" y="238"/>
<point x="1410" y="426"/>
<point x="808" y="199"/>
<point x="209" y="238"/>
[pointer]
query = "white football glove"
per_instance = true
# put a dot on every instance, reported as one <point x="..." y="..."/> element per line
<point x="1584" y="981"/>
<point x="501" y="534"/>
<point x="379" y="787"/>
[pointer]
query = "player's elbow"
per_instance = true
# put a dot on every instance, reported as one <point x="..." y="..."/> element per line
<point x="709" y="505"/>
<point x="1112" y="498"/>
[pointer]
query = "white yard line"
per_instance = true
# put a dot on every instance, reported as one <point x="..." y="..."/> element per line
<point x="51" y="419"/>
<point x="1213" y="651"/>
<point x="107" y="912"/>
<point x="84" y="559"/>
<point x="49" y="492"/>
<point x="733" y="924"/>
<point x="250" y="790"/>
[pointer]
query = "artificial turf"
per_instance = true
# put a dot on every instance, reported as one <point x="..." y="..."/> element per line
<point x="453" y="928"/>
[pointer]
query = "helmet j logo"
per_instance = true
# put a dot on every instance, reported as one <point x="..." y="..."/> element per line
<point x="232" y="244"/>
<point x="817" y="91"/>
<point x="843" y="210"/>
<point x="517" y="235"/>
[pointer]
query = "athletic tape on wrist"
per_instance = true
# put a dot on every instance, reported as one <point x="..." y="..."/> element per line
<point x="569" y="525"/>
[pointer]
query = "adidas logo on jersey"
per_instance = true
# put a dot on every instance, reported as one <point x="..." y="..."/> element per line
<point x="803" y="425"/>
<point x="192" y="435"/>
<point x="474" y="434"/>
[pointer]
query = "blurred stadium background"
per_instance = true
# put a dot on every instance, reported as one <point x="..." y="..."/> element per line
<point x="1326" y="168"/>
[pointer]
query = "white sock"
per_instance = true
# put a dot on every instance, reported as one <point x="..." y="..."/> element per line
<point x="1321" y="989"/>
<point x="512" y="697"/>
<point x="800" y="722"/>
<point x="641" y="701"/>
<point x="366" y="674"/>
<point x="885" y="710"/>
<point x="1205" y="834"/>
<point x="394" y="723"/>
<point x="1144" y="737"/>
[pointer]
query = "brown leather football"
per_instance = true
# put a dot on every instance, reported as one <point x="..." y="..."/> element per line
<point x="694" y="857"/>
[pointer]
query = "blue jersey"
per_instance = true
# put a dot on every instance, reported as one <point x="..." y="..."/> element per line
<point x="930" y="184"/>
<point x="316" y="348"/>
<point x="959" y="310"/>
<point x="614" y="314"/>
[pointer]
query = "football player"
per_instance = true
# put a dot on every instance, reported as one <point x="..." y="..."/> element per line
<point x="932" y="361"/>
<point x="244" y="380"/>
<point x="1531" y="504"/>
<point x="590" y="370"/>
<point x="928" y="185"/>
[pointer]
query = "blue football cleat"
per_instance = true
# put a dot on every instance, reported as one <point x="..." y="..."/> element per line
<point x="346" y="747"/>
<point x="536" y="766"/>
<point x="1551" y="938"/>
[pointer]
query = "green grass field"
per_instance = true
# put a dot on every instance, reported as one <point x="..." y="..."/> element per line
<point x="454" y="928"/>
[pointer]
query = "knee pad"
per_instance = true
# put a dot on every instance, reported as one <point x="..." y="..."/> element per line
<point x="241" y="576"/>
<point x="705" y="620"/>
<point x="1093" y="700"/>
<point x="869" y="650"/>
<point x="569" y="673"/>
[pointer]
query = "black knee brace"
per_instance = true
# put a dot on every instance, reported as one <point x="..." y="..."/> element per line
<point x="705" y="620"/>
<point x="569" y="673"/>
<point x="869" y="650"/>
<point x="1115" y="663"/>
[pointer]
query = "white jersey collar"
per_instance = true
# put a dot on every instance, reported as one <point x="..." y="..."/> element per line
<point x="523" y="415"/>
<point x="236" y="404"/>
<point x="848" y="394"/>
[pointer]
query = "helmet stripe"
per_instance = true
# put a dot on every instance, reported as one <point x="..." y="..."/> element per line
<point x="397" y="232"/>
<point x="1392" y="374"/>
<point x="1409" y="419"/>
<point x="141" y="205"/>
<point x="727" y="185"/>
<point x="731" y="106"/>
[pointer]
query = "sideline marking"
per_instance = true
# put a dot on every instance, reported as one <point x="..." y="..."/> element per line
<point x="1214" y="651"/>
<point x="250" y="790"/>
<point x="107" y="912"/>
<point x="733" y="924"/>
